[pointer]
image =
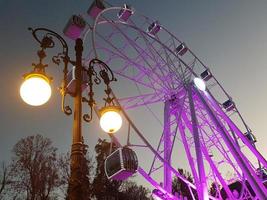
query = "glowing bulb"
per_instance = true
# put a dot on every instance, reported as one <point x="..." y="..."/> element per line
<point x="35" y="90"/>
<point x="200" y="84"/>
<point x="110" y="120"/>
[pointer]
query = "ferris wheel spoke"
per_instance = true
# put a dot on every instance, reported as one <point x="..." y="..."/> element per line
<point x="141" y="100"/>
<point x="169" y="50"/>
<point x="161" y="65"/>
<point x="139" y="66"/>
<point x="165" y="64"/>
<point x="126" y="71"/>
<point x="158" y="55"/>
<point x="190" y="55"/>
<point x="167" y="75"/>
<point x="142" y="54"/>
<point x="172" y="62"/>
<point x="142" y="70"/>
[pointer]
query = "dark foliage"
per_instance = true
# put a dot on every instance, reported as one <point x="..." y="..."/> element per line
<point x="34" y="173"/>
<point x="4" y="180"/>
<point x="131" y="191"/>
<point x="179" y="187"/>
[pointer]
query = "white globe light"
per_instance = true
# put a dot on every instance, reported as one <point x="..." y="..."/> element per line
<point x="110" y="120"/>
<point x="35" y="90"/>
<point x="200" y="84"/>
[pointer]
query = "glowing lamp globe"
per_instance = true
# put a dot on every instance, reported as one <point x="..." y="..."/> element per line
<point x="110" y="119"/>
<point x="35" y="90"/>
<point x="200" y="84"/>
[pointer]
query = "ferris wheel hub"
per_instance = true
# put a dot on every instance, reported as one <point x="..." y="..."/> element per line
<point x="200" y="84"/>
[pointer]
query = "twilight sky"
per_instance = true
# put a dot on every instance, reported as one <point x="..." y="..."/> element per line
<point x="228" y="36"/>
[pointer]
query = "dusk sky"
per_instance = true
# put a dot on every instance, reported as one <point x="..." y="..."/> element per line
<point x="228" y="36"/>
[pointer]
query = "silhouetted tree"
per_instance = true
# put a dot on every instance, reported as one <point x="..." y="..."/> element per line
<point x="214" y="190"/>
<point x="34" y="170"/>
<point x="131" y="191"/>
<point x="64" y="172"/>
<point x="87" y="171"/>
<point x="87" y="167"/>
<point x="4" y="180"/>
<point x="180" y="187"/>
<point x="37" y="173"/>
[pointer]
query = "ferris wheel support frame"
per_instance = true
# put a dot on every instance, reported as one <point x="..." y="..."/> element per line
<point x="142" y="171"/>
<point x="167" y="182"/>
<point x="202" y="187"/>
<point x="205" y="153"/>
<point x="249" y="173"/>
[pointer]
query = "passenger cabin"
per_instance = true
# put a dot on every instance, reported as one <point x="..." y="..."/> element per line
<point x="121" y="164"/>
<point x="158" y="195"/>
<point x="239" y="189"/>
<point x="206" y="75"/>
<point x="251" y="137"/>
<point x="153" y="28"/>
<point x="125" y="13"/>
<point x="96" y="7"/>
<point x="262" y="174"/>
<point x="74" y="27"/>
<point x="71" y="81"/>
<point x="181" y="49"/>
<point x="228" y="105"/>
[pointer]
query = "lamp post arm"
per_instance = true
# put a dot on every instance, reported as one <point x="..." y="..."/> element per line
<point x="46" y="41"/>
<point x="45" y="38"/>
<point x="105" y="74"/>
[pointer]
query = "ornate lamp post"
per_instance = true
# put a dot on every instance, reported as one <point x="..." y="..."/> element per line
<point x="36" y="91"/>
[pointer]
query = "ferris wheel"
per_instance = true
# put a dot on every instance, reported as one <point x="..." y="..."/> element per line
<point x="200" y="119"/>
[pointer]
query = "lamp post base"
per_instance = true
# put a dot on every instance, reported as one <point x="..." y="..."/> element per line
<point x="79" y="182"/>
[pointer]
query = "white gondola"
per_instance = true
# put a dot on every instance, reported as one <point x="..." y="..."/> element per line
<point x="71" y="81"/>
<point x="228" y="105"/>
<point x="121" y="164"/>
<point x="181" y="49"/>
<point x="251" y="137"/>
<point x="206" y="75"/>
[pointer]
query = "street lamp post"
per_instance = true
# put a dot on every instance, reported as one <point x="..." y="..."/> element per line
<point x="37" y="80"/>
<point x="75" y="188"/>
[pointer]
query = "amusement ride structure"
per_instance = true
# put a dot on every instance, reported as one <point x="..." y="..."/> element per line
<point x="198" y="114"/>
